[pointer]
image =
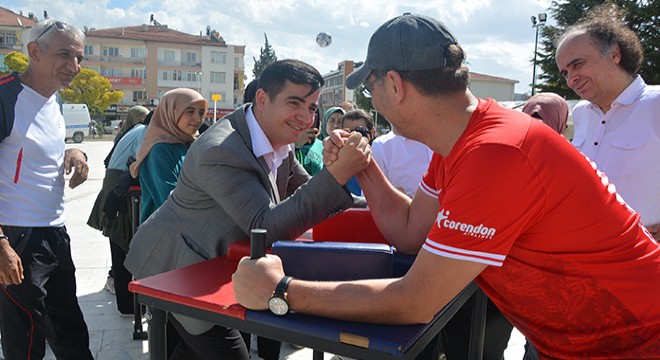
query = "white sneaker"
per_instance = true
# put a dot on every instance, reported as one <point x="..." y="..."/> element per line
<point x="110" y="285"/>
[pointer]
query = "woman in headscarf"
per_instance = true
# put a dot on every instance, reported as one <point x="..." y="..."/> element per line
<point x="112" y="215"/>
<point x="331" y="121"/>
<point x="550" y="108"/>
<point x="172" y="129"/>
<point x="135" y="115"/>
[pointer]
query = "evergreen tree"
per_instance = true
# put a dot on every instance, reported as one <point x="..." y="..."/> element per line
<point x="267" y="56"/>
<point x="639" y="15"/>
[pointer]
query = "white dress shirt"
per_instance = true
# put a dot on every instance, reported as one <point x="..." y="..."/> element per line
<point x="625" y="144"/>
<point x="261" y="146"/>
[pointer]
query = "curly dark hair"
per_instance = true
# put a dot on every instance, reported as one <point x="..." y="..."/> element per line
<point x="605" y="26"/>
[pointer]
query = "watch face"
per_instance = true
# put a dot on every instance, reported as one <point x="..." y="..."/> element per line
<point x="278" y="305"/>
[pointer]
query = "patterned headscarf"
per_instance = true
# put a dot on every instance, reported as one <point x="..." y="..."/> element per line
<point x="551" y="108"/>
<point x="163" y="126"/>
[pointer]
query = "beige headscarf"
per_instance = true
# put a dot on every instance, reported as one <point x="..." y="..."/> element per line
<point x="551" y="108"/>
<point x="163" y="126"/>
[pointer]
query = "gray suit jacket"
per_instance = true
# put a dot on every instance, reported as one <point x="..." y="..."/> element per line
<point x="222" y="193"/>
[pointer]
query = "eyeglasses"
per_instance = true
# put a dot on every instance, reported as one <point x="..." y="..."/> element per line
<point x="367" y="87"/>
<point x="59" y="25"/>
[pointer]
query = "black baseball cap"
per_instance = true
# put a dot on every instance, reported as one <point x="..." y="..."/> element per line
<point x="407" y="42"/>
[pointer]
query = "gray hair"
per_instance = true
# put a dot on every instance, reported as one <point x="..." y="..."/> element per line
<point x="42" y="32"/>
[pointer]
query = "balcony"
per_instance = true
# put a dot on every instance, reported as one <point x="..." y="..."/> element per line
<point x="169" y="63"/>
<point x="115" y="59"/>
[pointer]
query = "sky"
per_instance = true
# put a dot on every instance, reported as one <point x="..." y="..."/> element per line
<point x="497" y="34"/>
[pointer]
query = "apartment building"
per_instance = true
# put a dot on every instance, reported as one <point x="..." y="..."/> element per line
<point x="14" y="32"/>
<point x="146" y="61"/>
<point x="334" y="91"/>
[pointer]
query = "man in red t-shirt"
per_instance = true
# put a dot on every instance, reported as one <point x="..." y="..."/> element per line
<point x="508" y="202"/>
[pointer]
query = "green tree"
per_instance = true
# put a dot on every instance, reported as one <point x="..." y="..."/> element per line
<point x="91" y="89"/>
<point x="266" y="57"/>
<point x="16" y="61"/>
<point x="639" y="15"/>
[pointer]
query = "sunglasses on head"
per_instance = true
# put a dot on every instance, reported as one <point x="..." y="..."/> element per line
<point x="59" y="25"/>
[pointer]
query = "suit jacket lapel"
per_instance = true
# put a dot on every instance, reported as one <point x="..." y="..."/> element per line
<point x="240" y="124"/>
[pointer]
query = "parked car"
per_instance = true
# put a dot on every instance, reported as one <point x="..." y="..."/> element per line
<point x="113" y="128"/>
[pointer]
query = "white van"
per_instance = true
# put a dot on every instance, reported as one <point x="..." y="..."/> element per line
<point x="77" y="120"/>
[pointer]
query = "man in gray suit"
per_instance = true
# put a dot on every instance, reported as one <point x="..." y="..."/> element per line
<point x="240" y="175"/>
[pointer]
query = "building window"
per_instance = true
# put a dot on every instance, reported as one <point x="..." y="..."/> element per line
<point x="89" y="50"/>
<point x="3" y="67"/>
<point x="218" y="57"/>
<point x="111" y="51"/>
<point x="191" y="58"/>
<point x="7" y="40"/>
<point x="218" y="77"/>
<point x="110" y="72"/>
<point x="139" y="95"/>
<point x="168" y="55"/>
<point x="138" y="53"/>
<point x="139" y="73"/>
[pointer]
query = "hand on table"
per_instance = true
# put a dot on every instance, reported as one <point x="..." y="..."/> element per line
<point x="255" y="280"/>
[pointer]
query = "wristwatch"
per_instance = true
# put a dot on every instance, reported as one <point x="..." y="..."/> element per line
<point x="277" y="303"/>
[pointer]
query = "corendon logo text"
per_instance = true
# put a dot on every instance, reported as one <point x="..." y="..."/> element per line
<point x="478" y="231"/>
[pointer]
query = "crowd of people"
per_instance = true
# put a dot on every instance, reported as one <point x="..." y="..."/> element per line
<point x="566" y="228"/>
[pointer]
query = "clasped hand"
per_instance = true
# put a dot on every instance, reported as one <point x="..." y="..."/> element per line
<point x="345" y="154"/>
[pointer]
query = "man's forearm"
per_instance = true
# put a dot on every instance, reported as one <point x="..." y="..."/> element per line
<point x="382" y="301"/>
<point x="390" y="209"/>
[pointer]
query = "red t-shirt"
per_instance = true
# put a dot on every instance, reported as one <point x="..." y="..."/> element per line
<point x="573" y="269"/>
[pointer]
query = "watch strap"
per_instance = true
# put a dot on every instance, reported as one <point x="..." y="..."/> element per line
<point x="283" y="285"/>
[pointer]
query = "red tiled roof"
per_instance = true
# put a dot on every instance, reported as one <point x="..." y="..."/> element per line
<point x="9" y="18"/>
<point x="153" y="33"/>
<point x="484" y="77"/>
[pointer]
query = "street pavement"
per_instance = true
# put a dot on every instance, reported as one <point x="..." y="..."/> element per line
<point x="111" y="336"/>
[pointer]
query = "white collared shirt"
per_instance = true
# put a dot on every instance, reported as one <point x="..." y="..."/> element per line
<point x="625" y="144"/>
<point x="261" y="146"/>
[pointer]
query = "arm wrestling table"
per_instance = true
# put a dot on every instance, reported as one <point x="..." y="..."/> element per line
<point x="191" y="291"/>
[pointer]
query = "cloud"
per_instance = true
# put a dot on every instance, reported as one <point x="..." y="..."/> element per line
<point x="496" y="33"/>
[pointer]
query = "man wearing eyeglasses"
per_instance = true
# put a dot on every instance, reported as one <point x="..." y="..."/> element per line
<point x="38" y="292"/>
<point x="506" y="202"/>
